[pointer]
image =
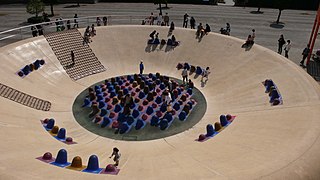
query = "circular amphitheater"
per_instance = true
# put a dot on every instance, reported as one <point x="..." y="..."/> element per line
<point x="262" y="142"/>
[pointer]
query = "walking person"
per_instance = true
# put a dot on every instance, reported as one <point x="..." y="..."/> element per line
<point x="166" y="19"/>
<point x="281" y="42"/>
<point x="184" y="75"/>
<point x="287" y="49"/>
<point x="76" y="25"/>
<point x="141" y="67"/>
<point x="117" y="155"/>
<point x="305" y="54"/>
<point x="192" y="23"/>
<point x="185" y="20"/>
<point x="72" y="58"/>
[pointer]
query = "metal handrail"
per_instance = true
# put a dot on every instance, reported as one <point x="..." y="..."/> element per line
<point x="24" y="32"/>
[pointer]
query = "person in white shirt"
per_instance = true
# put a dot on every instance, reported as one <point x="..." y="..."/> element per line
<point x="184" y="75"/>
<point x="287" y="48"/>
<point x="206" y="73"/>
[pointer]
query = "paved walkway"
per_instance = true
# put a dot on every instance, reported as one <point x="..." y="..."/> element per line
<point x="296" y="25"/>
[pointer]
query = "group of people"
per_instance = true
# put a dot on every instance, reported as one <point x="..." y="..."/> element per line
<point x="226" y="30"/>
<point x="287" y="46"/>
<point x="201" y="31"/>
<point x="205" y="74"/>
<point x="104" y="21"/>
<point x="250" y="39"/>
<point x="158" y="20"/>
<point x="38" y="30"/>
<point x="89" y="32"/>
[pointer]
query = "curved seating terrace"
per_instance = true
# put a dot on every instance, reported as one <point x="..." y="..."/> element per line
<point x="263" y="142"/>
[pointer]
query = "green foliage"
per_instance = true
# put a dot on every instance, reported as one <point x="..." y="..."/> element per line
<point x="35" y="7"/>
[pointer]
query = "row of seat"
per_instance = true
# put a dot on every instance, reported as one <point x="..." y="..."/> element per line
<point x="191" y="68"/>
<point x="61" y="160"/>
<point x="225" y="120"/>
<point x="56" y="132"/>
<point x="31" y="67"/>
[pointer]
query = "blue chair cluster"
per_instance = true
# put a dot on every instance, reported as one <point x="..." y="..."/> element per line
<point x="56" y="132"/>
<point x="61" y="160"/>
<point x="191" y="68"/>
<point x="274" y="94"/>
<point x="225" y="120"/>
<point x="30" y="68"/>
<point x="107" y="102"/>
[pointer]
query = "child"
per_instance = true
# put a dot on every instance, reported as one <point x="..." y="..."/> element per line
<point x="116" y="155"/>
<point x="206" y="73"/>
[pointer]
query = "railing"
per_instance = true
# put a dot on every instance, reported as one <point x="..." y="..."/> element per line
<point x="24" y="32"/>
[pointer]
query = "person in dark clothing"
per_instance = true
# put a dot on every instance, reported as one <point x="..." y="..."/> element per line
<point x="141" y="67"/>
<point x="76" y="25"/>
<point x="305" y="54"/>
<point x="185" y="20"/>
<point x="281" y="42"/>
<point x="72" y="58"/>
<point x="34" y="31"/>
<point x="152" y="34"/>
<point x="207" y="30"/>
<point x="68" y="25"/>
<point x="192" y="23"/>
<point x="40" y="29"/>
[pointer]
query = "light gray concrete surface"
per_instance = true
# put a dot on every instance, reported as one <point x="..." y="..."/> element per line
<point x="297" y="24"/>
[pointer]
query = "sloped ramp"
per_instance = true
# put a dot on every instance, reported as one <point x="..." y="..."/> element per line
<point x="23" y="98"/>
<point x="86" y="63"/>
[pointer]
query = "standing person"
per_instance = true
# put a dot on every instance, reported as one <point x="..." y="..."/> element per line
<point x="117" y="155"/>
<point x="141" y="67"/>
<point x="184" y="75"/>
<point x="253" y="34"/>
<point x="159" y="19"/>
<point x="72" y="58"/>
<point x="281" y="42"/>
<point x="34" y="31"/>
<point x="68" y="25"/>
<point x="228" y="29"/>
<point x="305" y="54"/>
<point x="185" y="20"/>
<point x="287" y="49"/>
<point x="98" y="21"/>
<point x="75" y="21"/>
<point x="151" y="18"/>
<point x="171" y="26"/>
<point x="152" y="34"/>
<point x="166" y="19"/>
<point x="105" y="20"/>
<point x="192" y="23"/>
<point x="205" y="73"/>
<point x="207" y="30"/>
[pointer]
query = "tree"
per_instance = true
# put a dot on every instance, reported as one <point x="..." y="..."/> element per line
<point x="161" y="2"/>
<point x="281" y="5"/>
<point x="51" y="3"/>
<point x="35" y="7"/>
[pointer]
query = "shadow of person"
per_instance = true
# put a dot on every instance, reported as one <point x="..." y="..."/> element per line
<point x="148" y="48"/>
<point x="154" y="47"/>
<point x="196" y="76"/>
<point x="161" y="46"/>
<point x="249" y="47"/>
<point x="169" y="33"/>
<point x="203" y="83"/>
<point x="246" y="46"/>
<point x="168" y="48"/>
